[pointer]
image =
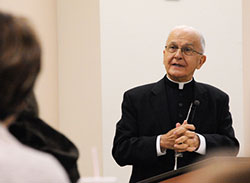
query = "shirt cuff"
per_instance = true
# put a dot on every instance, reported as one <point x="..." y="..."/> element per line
<point x="158" y="146"/>
<point x="202" y="149"/>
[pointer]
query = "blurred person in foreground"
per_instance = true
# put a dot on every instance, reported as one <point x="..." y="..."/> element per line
<point x="177" y="120"/>
<point x="20" y="56"/>
<point x="34" y="132"/>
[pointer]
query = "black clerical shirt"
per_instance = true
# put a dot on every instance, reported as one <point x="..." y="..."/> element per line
<point x="179" y="99"/>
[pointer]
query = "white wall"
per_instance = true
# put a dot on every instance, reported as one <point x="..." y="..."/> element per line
<point x="133" y="34"/>
<point x="80" y="78"/>
<point x="246" y="75"/>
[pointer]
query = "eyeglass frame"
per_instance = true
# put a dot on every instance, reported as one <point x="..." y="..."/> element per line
<point x="182" y="50"/>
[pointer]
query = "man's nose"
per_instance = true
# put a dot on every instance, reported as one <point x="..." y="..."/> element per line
<point x="179" y="54"/>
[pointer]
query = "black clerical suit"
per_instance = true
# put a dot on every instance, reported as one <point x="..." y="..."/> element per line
<point x="154" y="109"/>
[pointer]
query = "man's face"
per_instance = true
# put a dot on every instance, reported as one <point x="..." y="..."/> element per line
<point x="179" y="66"/>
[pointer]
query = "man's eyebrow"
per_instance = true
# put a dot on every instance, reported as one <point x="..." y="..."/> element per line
<point x="188" y="44"/>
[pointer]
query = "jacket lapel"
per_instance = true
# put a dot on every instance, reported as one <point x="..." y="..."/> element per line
<point x="160" y="106"/>
<point x="201" y="95"/>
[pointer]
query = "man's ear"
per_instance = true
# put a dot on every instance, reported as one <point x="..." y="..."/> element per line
<point x="164" y="56"/>
<point x="201" y="61"/>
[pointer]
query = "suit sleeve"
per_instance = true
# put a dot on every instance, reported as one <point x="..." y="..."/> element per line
<point x="128" y="147"/>
<point x="224" y="139"/>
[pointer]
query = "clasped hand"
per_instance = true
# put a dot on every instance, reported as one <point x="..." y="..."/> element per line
<point x="182" y="138"/>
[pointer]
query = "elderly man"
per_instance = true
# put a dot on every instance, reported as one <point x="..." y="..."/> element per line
<point x="174" y="117"/>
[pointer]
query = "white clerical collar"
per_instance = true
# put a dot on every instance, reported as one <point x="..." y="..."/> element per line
<point x="181" y="84"/>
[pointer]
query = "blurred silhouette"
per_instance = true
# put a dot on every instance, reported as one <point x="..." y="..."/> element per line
<point x="20" y="60"/>
<point x="34" y="132"/>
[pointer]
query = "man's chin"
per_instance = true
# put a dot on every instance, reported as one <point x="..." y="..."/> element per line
<point x="176" y="76"/>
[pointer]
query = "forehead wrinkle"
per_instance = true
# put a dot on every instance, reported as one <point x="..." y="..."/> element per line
<point x="186" y="44"/>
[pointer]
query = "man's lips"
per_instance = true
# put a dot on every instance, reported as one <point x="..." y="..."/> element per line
<point x="177" y="65"/>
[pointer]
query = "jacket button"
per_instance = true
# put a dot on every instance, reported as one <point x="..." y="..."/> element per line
<point x="180" y="104"/>
<point x="180" y="115"/>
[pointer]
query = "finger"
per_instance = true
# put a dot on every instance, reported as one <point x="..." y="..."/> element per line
<point x="189" y="126"/>
<point x="191" y="145"/>
<point x="179" y="147"/>
<point x="167" y="141"/>
<point x="185" y="122"/>
<point x="181" y="150"/>
<point x="177" y="125"/>
<point x="191" y="149"/>
<point x="190" y="134"/>
<point x="181" y="139"/>
<point x="191" y="142"/>
<point x="180" y="131"/>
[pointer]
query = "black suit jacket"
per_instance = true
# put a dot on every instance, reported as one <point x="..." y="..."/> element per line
<point x="145" y="116"/>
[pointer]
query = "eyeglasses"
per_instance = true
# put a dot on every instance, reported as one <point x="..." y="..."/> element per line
<point x="186" y="50"/>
